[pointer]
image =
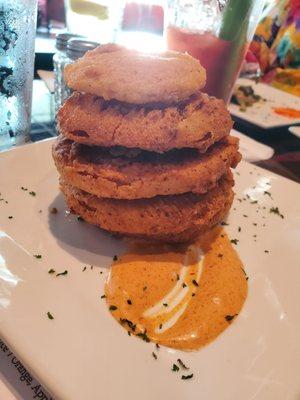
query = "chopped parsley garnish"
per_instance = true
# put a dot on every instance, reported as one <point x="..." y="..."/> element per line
<point x="195" y="282"/>
<point x="229" y="318"/>
<point x="246" y="276"/>
<point x="165" y="304"/>
<point x="254" y="223"/>
<point x="62" y="273"/>
<point x="113" y="308"/>
<point x="245" y="216"/>
<point x="32" y="193"/>
<point x="10" y="217"/>
<point x="157" y="346"/>
<point x="239" y="229"/>
<point x="220" y="255"/>
<point x="91" y="266"/>
<point x="79" y="218"/>
<point x="177" y="277"/>
<point x="267" y="193"/>
<point x="275" y="210"/>
<point x="160" y="326"/>
<point x="267" y="251"/>
<point x="103" y="296"/>
<point x="51" y="271"/>
<point x="193" y="294"/>
<point x="129" y="302"/>
<point x="180" y="362"/>
<point x="53" y="210"/>
<point x="38" y="256"/>
<point x="185" y="377"/>
<point x="24" y="188"/>
<point x="253" y="202"/>
<point x="50" y="316"/>
<point x="143" y="336"/>
<point x="115" y="258"/>
<point x="184" y="285"/>
<point x="175" y="368"/>
<point x="84" y="268"/>
<point x="224" y="223"/>
<point x="154" y="355"/>
<point x="130" y="324"/>
<point x="234" y="241"/>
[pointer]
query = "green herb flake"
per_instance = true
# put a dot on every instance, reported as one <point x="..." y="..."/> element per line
<point x="229" y="318"/>
<point x="24" y="188"/>
<point x="224" y="223"/>
<point x="143" y="336"/>
<point x="245" y="216"/>
<point x="50" y="316"/>
<point x="154" y="355"/>
<point x="195" y="282"/>
<point x="193" y="294"/>
<point x="220" y="255"/>
<point x="267" y="193"/>
<point x="38" y="256"/>
<point x="10" y="217"/>
<point x="165" y="304"/>
<point x="103" y="296"/>
<point x="53" y="210"/>
<point x="84" y="268"/>
<point x="267" y="251"/>
<point x="130" y="324"/>
<point x="115" y="258"/>
<point x="62" y="273"/>
<point x="239" y="229"/>
<point x="177" y="277"/>
<point x="275" y="210"/>
<point x="80" y="219"/>
<point x="186" y="377"/>
<point x="254" y="202"/>
<point x="157" y="346"/>
<point x="180" y="362"/>
<point x="184" y="285"/>
<point x="160" y="326"/>
<point x="129" y="333"/>
<point x="32" y="193"/>
<point x="129" y="302"/>
<point x="175" y="368"/>
<point x="234" y="241"/>
<point x="51" y="271"/>
<point x="113" y="308"/>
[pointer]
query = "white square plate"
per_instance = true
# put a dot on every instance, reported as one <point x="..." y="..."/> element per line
<point x="84" y="355"/>
<point x="261" y="113"/>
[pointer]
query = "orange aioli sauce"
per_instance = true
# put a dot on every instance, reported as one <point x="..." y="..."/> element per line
<point x="287" y="112"/>
<point x="181" y="298"/>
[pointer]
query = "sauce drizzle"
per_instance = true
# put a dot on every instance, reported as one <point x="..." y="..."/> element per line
<point x="181" y="297"/>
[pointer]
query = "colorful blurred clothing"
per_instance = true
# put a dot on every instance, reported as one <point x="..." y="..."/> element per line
<point x="276" y="46"/>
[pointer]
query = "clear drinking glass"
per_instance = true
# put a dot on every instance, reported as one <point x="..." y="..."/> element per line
<point x="17" y="34"/>
<point x="217" y="33"/>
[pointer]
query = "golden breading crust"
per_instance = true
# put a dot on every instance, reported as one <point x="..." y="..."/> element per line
<point x="175" y="218"/>
<point x="197" y="122"/>
<point x="114" y="72"/>
<point x="145" y="174"/>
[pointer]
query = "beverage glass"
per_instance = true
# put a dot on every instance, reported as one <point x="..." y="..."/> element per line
<point x="17" y="34"/>
<point x="217" y="33"/>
